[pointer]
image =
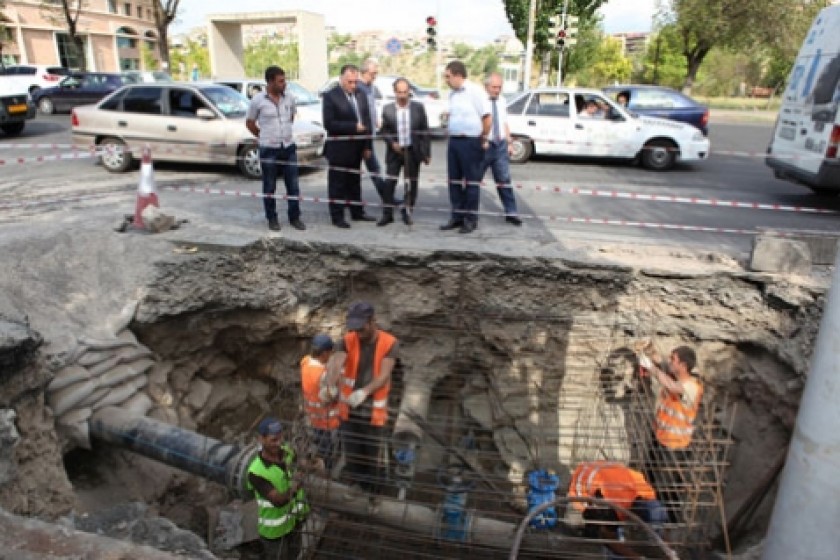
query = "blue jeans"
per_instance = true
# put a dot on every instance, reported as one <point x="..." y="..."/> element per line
<point x="496" y="158"/>
<point x="271" y="161"/>
<point x="464" y="157"/>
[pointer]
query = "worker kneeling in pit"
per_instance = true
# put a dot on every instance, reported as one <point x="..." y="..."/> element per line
<point x="624" y="487"/>
<point x="278" y="486"/>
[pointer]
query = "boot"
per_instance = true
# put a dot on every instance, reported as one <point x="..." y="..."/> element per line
<point x="387" y="217"/>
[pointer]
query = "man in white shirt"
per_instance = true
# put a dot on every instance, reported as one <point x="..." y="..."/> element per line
<point x="497" y="155"/>
<point x="469" y="128"/>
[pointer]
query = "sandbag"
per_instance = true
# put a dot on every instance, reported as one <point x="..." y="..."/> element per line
<point x="131" y="354"/>
<point x="67" y="376"/>
<point x="93" y="357"/>
<point x="95" y="397"/>
<point x="138" y="405"/>
<point x="116" y="395"/>
<point x="104" y="344"/>
<point x="74" y="416"/>
<point x="78" y="433"/>
<point x="67" y="398"/>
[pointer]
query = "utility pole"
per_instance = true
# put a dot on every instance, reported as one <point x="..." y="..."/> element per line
<point x="529" y="45"/>
<point x="561" y="49"/>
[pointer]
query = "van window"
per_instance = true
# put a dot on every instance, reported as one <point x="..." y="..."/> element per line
<point x="143" y="100"/>
<point x="828" y="82"/>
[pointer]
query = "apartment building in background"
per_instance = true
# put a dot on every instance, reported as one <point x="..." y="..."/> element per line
<point x="114" y="33"/>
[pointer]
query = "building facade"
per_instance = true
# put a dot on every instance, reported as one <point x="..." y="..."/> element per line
<point x="117" y="35"/>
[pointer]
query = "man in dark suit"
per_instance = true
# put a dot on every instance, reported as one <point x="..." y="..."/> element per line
<point x="346" y="114"/>
<point x="405" y="130"/>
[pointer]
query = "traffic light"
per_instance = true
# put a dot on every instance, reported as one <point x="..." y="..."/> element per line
<point x="561" y="39"/>
<point x="431" y="33"/>
<point x="571" y="30"/>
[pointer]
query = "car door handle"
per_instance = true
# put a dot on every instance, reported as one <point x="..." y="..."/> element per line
<point x="579" y="126"/>
<point x="122" y="123"/>
<point x="532" y="123"/>
<point x="172" y="128"/>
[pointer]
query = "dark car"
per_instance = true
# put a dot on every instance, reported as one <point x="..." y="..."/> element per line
<point x="79" y="88"/>
<point x="663" y="102"/>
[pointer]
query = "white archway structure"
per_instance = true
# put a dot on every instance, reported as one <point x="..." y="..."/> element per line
<point x="224" y="33"/>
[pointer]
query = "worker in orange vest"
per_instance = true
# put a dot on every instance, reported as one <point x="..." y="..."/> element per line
<point x="320" y="400"/>
<point x="621" y="486"/>
<point x="679" y="394"/>
<point x="367" y="356"/>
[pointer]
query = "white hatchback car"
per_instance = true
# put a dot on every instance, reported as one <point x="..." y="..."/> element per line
<point x="183" y="122"/>
<point x="36" y="76"/>
<point x="553" y="121"/>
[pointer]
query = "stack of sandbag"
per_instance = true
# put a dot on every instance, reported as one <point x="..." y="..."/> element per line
<point x="99" y="373"/>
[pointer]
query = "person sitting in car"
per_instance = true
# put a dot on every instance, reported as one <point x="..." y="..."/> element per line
<point x="590" y="110"/>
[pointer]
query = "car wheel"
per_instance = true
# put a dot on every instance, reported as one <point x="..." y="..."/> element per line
<point x="248" y="160"/>
<point x="659" y="155"/>
<point x="13" y="129"/>
<point x="521" y="150"/>
<point x="116" y="157"/>
<point x="45" y="105"/>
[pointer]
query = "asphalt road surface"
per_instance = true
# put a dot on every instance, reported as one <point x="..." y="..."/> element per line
<point x="735" y="172"/>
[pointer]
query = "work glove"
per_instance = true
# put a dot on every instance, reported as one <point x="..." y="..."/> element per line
<point x="328" y="394"/>
<point x="356" y="398"/>
<point x="645" y="362"/>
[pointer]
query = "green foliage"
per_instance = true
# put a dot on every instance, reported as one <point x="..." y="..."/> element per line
<point x="348" y="58"/>
<point x="517" y="14"/>
<point x="150" y="62"/>
<point x="269" y="51"/>
<point x="481" y="62"/>
<point x="182" y="60"/>
<point x="664" y="62"/>
<point x="608" y="66"/>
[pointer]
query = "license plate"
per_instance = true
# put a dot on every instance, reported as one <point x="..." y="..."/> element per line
<point x="21" y="108"/>
<point x="787" y="132"/>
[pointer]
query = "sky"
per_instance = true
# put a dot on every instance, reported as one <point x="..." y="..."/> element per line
<point x="481" y="19"/>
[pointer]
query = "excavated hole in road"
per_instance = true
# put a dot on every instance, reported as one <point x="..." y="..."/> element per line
<point x="517" y="350"/>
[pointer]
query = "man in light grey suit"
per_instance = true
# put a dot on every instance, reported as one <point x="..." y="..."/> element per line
<point x="405" y="130"/>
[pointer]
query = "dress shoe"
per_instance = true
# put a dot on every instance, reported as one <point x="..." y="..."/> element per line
<point x="273" y="225"/>
<point x="363" y="218"/>
<point x="513" y="220"/>
<point x="407" y="219"/>
<point x="452" y="224"/>
<point x="385" y="220"/>
<point x="341" y="224"/>
<point x="297" y="224"/>
<point x="467" y="228"/>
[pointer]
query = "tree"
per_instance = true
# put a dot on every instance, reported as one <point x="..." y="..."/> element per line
<point x="165" y="12"/>
<point x="517" y="14"/>
<point x="738" y="24"/>
<point x="69" y="12"/>
<point x="4" y="31"/>
<point x="269" y="51"/>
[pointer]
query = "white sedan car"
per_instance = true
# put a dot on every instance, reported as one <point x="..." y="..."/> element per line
<point x="183" y="122"/>
<point x="554" y="121"/>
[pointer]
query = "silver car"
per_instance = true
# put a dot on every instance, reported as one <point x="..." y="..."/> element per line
<point x="182" y="122"/>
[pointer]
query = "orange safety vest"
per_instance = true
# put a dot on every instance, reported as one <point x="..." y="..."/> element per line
<point x="384" y="343"/>
<point x="674" y="423"/>
<point x="618" y="484"/>
<point x="323" y="416"/>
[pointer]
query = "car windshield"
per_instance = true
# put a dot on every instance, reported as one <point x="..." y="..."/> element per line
<point x="227" y="100"/>
<point x="302" y="95"/>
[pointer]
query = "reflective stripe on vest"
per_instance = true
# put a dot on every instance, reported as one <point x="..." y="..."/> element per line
<point x="618" y="484"/>
<point x="384" y="343"/>
<point x="323" y="416"/>
<point x="674" y="423"/>
<point x="274" y="522"/>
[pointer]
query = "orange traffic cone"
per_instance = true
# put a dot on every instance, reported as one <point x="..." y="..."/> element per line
<point x="146" y="192"/>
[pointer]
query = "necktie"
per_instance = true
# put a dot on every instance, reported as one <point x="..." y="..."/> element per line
<point x="352" y="99"/>
<point x="496" y="135"/>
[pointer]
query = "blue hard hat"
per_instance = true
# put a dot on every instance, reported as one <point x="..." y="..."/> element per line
<point x="322" y="342"/>
<point x="269" y="426"/>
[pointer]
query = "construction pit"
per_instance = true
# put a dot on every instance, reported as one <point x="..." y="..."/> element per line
<point x="511" y="364"/>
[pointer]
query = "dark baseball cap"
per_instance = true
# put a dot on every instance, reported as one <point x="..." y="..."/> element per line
<point x="358" y="315"/>
<point x="269" y="426"/>
<point x="322" y="342"/>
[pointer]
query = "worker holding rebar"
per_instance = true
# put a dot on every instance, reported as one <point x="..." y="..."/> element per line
<point x="277" y="484"/>
<point x="621" y="486"/>
<point x="679" y="393"/>
<point x="366" y="355"/>
<point x="320" y="400"/>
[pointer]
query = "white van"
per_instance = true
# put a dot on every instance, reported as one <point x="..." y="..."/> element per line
<point x="804" y="147"/>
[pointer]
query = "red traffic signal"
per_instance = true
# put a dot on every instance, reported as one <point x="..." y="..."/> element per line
<point x="431" y="21"/>
<point x="561" y="34"/>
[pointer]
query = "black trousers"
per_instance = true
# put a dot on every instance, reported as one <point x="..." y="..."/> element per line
<point x="363" y="444"/>
<point x="286" y="547"/>
<point x="667" y="470"/>
<point x="344" y="186"/>
<point x="410" y="166"/>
